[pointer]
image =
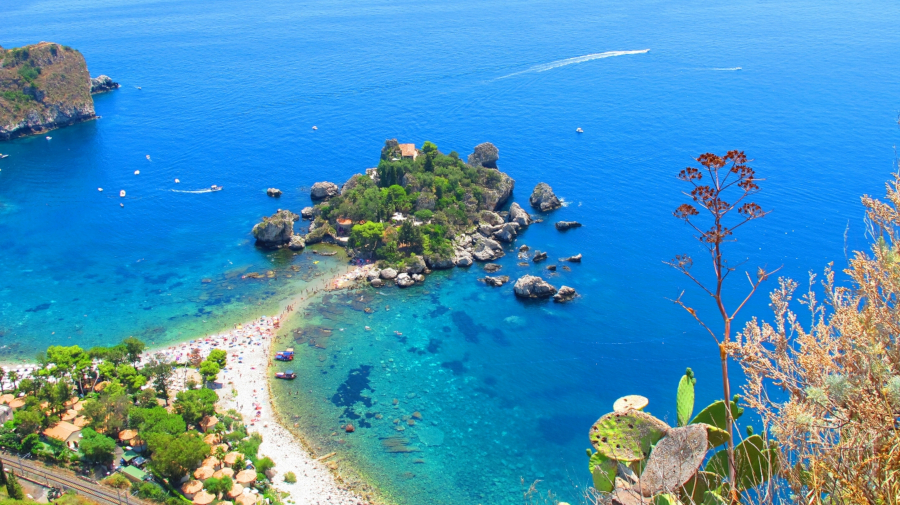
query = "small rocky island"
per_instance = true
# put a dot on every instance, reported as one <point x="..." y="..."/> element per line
<point x="45" y="86"/>
<point x="422" y="210"/>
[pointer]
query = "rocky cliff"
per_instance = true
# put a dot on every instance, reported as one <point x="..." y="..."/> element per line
<point x="42" y="87"/>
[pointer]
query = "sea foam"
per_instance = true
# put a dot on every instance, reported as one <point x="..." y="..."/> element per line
<point x="569" y="61"/>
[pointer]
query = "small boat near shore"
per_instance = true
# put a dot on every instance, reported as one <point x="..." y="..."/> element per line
<point x="3" y="156"/>
<point x="289" y="375"/>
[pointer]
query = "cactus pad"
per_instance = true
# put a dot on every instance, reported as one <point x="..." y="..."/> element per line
<point x="603" y="470"/>
<point x="674" y="460"/>
<point x="684" y="398"/>
<point x="695" y="489"/>
<point x="715" y="435"/>
<point x="714" y="414"/>
<point x="754" y="464"/>
<point x="626" y="436"/>
<point x="664" y="499"/>
<point x="630" y="402"/>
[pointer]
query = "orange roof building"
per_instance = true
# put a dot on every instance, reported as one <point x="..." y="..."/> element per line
<point x="65" y="432"/>
<point x="409" y="151"/>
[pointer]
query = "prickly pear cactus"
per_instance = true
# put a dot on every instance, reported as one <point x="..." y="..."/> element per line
<point x="715" y="435"/>
<point x="627" y="436"/>
<point x="695" y="489"/>
<point x="603" y="470"/>
<point x="674" y="460"/>
<point x="714" y="414"/>
<point x="684" y="399"/>
<point x="753" y="463"/>
<point x="665" y="499"/>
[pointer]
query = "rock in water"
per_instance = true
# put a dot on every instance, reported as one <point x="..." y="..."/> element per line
<point x="543" y="198"/>
<point x="277" y="230"/>
<point x="490" y="218"/>
<point x="539" y="256"/>
<point x="275" y="193"/>
<point x="485" y="155"/>
<point x="297" y="243"/>
<point x="497" y="192"/>
<point x="487" y="250"/>
<point x="564" y="294"/>
<point x="376" y="283"/>
<point x="463" y="259"/>
<point x="530" y="286"/>
<point x="507" y="232"/>
<point x="567" y="225"/>
<point x="572" y="259"/>
<point x="492" y="267"/>
<point x="102" y="84"/>
<point x="388" y="274"/>
<point x="438" y="262"/>
<point x="373" y="274"/>
<point x="57" y="91"/>
<point x="518" y="215"/>
<point x="496" y="281"/>
<point x="414" y="265"/>
<point x="324" y="190"/>
<point x="405" y="281"/>
<point x="307" y="212"/>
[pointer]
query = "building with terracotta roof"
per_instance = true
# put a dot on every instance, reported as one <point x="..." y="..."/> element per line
<point x="66" y="433"/>
<point x="409" y="151"/>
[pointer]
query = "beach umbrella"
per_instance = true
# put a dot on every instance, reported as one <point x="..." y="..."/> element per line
<point x="246" y="477"/>
<point x="203" y="498"/>
<point x="203" y="473"/>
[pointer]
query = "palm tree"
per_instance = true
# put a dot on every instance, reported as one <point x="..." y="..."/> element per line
<point x="13" y="377"/>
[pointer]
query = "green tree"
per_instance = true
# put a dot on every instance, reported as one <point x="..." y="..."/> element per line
<point x="2" y="474"/>
<point x="13" y="377"/>
<point x="194" y="404"/>
<point x="159" y="370"/>
<point x="97" y="448"/>
<point x="28" y="421"/>
<point x="410" y="236"/>
<point x="13" y="488"/>
<point x="209" y="370"/>
<point x="108" y="413"/>
<point x="218" y="486"/>
<point x="219" y="356"/>
<point x="133" y="349"/>
<point x="174" y="456"/>
<point x="366" y="236"/>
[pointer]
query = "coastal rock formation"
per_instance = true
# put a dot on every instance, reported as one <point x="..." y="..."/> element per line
<point x="463" y="259"/>
<point x="296" y="243"/>
<point x="351" y="183"/>
<point x="498" y="193"/>
<point x="567" y="225"/>
<point x="418" y="278"/>
<point x="530" y="286"/>
<point x="507" y="232"/>
<point x="564" y="294"/>
<point x="376" y="283"/>
<point x="404" y="280"/>
<point x="496" y="281"/>
<point x="543" y="198"/>
<point x="102" y="84"/>
<point x="490" y="218"/>
<point x="487" y="250"/>
<point x="438" y="262"/>
<point x="539" y="256"/>
<point x="388" y="274"/>
<point x="552" y="268"/>
<point x="307" y="212"/>
<point x="572" y="259"/>
<point x="320" y="234"/>
<point x="324" y="190"/>
<point x="276" y="230"/>
<point x="492" y="267"/>
<point x="485" y="155"/>
<point x="275" y="193"/>
<point x="42" y="87"/>
<point x="414" y="265"/>
<point x="518" y="215"/>
<point x="373" y="274"/>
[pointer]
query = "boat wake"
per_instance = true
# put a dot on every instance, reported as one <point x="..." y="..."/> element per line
<point x="207" y="190"/>
<point x="732" y="69"/>
<point x="569" y="61"/>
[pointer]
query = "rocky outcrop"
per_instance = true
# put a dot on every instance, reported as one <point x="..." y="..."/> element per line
<point x="296" y="243"/>
<point x="373" y="274"/>
<point x="518" y="215"/>
<point x="43" y="87"/>
<point x="496" y="281"/>
<point x="567" y="225"/>
<point x="404" y="280"/>
<point x="530" y="286"/>
<point x="438" y="262"/>
<point x="507" y="232"/>
<point x="487" y="250"/>
<point x="102" y="84"/>
<point x="492" y="267"/>
<point x="463" y="259"/>
<point x="572" y="259"/>
<point x="499" y="192"/>
<point x="275" y="193"/>
<point x="351" y="183"/>
<point x="564" y="294"/>
<point x="490" y="218"/>
<point x="324" y="190"/>
<point x="391" y="150"/>
<point x="307" y="212"/>
<point x="388" y="274"/>
<point x="426" y="200"/>
<point x="276" y="230"/>
<point x="539" y="256"/>
<point x="485" y="155"/>
<point x="543" y="198"/>
<point x="376" y="283"/>
<point x="319" y="234"/>
<point x="414" y="265"/>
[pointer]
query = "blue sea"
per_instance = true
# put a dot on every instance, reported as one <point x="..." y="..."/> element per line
<point x="500" y="393"/>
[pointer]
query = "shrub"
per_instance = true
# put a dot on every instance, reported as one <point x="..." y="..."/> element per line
<point x="118" y="481"/>
<point x="290" y="478"/>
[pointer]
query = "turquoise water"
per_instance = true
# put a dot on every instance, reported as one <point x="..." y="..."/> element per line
<point x="230" y="92"/>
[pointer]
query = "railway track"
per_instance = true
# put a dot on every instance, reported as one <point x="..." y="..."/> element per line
<point x="53" y="477"/>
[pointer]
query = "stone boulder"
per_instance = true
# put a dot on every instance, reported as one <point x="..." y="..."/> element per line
<point x="496" y="281"/>
<point x="438" y="262"/>
<point x="539" y="256"/>
<point x="530" y="286"/>
<point x="376" y="283"/>
<point x="414" y="265"/>
<point x="388" y="274"/>
<point x="102" y="84"/>
<point x="463" y="259"/>
<point x="307" y="212"/>
<point x="497" y="194"/>
<point x="572" y="259"/>
<point x="518" y="215"/>
<point x="543" y="198"/>
<point x="485" y="155"/>
<point x="507" y="232"/>
<point x="490" y="218"/>
<point x="492" y="267"/>
<point x="487" y="230"/>
<point x="373" y="274"/>
<point x="274" y="192"/>
<point x="296" y="243"/>
<point x="404" y="280"/>
<point x="418" y="278"/>
<point x="324" y="190"/>
<point x="567" y="225"/>
<point x="564" y="294"/>
<point x="487" y="250"/>
<point x="276" y="230"/>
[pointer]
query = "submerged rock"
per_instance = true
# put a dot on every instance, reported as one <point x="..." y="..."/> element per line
<point x="530" y="286"/>
<point x="485" y="155"/>
<point x="274" y="192"/>
<point x="564" y="294"/>
<point x="543" y="198"/>
<point x="492" y="267"/>
<point x="567" y="225"/>
<point x="539" y="256"/>
<point x="276" y="230"/>
<point x="376" y="283"/>
<point x="324" y="190"/>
